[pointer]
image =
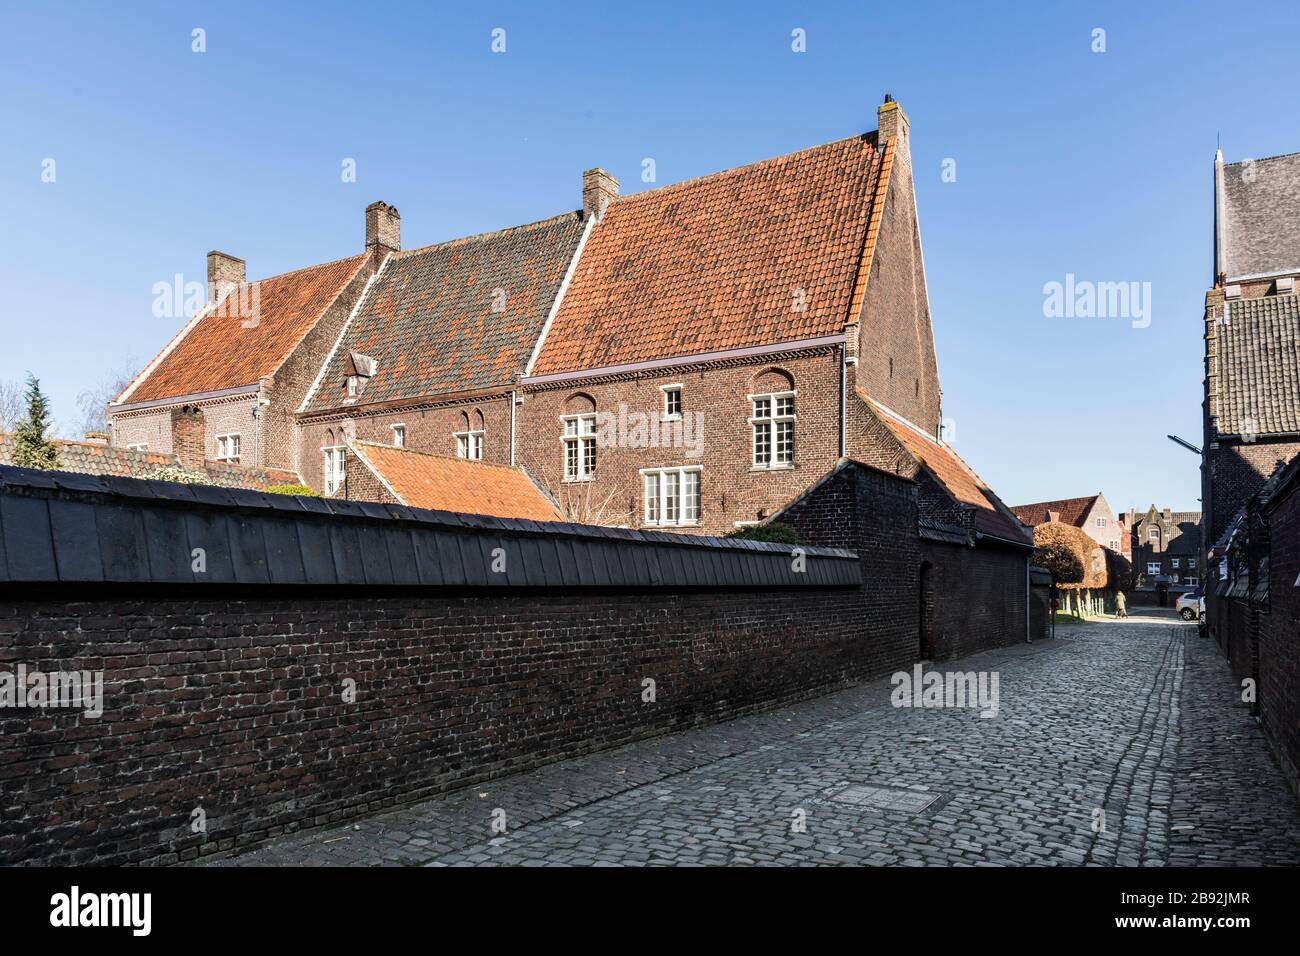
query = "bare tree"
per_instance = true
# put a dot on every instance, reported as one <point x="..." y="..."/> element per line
<point x="11" y="405"/>
<point x="92" y="403"/>
<point x="580" y="503"/>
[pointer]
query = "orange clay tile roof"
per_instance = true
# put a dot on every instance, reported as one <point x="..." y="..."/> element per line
<point x="960" y="480"/>
<point x="720" y="262"/>
<point x="1068" y="510"/>
<point x="453" y="484"/>
<point x="220" y="352"/>
<point x="458" y="316"/>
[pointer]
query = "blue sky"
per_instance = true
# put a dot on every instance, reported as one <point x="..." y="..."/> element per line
<point x="1068" y="162"/>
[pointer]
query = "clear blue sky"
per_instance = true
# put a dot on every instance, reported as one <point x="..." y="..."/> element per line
<point x="1068" y="161"/>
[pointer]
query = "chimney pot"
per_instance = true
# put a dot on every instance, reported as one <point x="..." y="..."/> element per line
<point x="599" y="189"/>
<point x="383" y="228"/>
<point x="225" y="272"/>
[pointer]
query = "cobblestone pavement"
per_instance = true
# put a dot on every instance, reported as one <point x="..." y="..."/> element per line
<point x="1082" y="765"/>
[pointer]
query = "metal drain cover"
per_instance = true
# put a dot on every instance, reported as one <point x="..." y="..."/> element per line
<point x="866" y="797"/>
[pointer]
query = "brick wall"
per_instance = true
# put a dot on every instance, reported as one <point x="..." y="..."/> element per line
<point x="153" y="427"/>
<point x="980" y="597"/>
<point x="1236" y="472"/>
<point x="233" y="697"/>
<point x="1279" y="637"/>
<point x="897" y="365"/>
<point x="731" y="489"/>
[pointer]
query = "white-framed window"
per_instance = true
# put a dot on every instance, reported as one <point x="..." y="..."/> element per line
<point x="672" y="402"/>
<point x="399" y="436"/>
<point x="142" y="446"/>
<point x="1153" y="533"/>
<point x="1114" y="545"/>
<point x="1191" y="564"/>
<point x="469" y="445"/>
<point x="773" y="424"/>
<point x="335" y="468"/>
<point x="354" y="386"/>
<point x="1175" y="562"/>
<point x="228" y="447"/>
<point x="672" y="496"/>
<point x="1191" y="579"/>
<point x="1153" y="567"/>
<point x="579" y="447"/>
<point x="1101" y="522"/>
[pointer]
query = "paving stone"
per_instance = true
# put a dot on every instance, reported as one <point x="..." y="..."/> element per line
<point x="1135" y="719"/>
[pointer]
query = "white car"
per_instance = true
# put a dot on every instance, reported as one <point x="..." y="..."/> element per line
<point x="1190" y="606"/>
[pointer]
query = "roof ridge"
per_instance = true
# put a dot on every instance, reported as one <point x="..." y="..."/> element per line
<point x="747" y="167"/>
<point x="1263" y="159"/>
<point x="491" y="234"/>
<point x="319" y="265"/>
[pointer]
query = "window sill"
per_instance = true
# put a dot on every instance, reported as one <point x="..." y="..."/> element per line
<point x="578" y="481"/>
<point x="772" y="468"/>
<point x="671" y="524"/>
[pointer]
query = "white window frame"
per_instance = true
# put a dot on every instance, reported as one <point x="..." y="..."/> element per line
<point x="1101" y="522"/>
<point x="469" y="445"/>
<point x="223" y="447"/>
<point x="354" y="386"/>
<point x="399" y="435"/>
<point x="578" y="442"/>
<point x="664" y="500"/>
<point x="673" y="389"/>
<point x="142" y="446"/>
<point x="1191" y="564"/>
<point x="1192" y="579"/>
<point x="768" y="461"/>
<point x="336" y="467"/>
<point x="1153" y="567"/>
<point x="1153" y="534"/>
<point x="1175" y="563"/>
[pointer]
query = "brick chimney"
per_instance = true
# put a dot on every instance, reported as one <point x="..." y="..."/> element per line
<point x="224" y="273"/>
<point x="187" y="437"/>
<point x="383" y="229"/>
<point x="599" y="189"/>
<point x="892" y="123"/>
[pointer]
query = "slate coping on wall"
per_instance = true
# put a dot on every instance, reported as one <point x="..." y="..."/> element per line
<point x="60" y="527"/>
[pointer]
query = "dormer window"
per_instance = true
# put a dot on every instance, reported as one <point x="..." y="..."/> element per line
<point x="361" y="369"/>
<point x="354" y="386"/>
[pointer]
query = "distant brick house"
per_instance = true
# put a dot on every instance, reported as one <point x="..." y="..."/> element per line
<point x="1252" y="333"/>
<point x="1166" y="548"/>
<point x="1091" y="514"/>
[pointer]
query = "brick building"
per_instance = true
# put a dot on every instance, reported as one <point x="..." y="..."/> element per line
<point x="692" y="357"/>
<point x="1091" y="514"/>
<point x="1166" y="548"/>
<point x="233" y="378"/>
<point x="1252" y="328"/>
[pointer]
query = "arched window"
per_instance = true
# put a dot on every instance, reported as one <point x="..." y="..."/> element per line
<point x="579" y="437"/>
<point x="469" y="440"/>
<point x="772" y="419"/>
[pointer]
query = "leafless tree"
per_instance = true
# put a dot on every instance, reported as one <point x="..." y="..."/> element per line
<point x="93" y="402"/>
<point x="11" y="405"/>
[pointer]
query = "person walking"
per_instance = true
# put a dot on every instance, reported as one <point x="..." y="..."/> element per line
<point x="1121" y="604"/>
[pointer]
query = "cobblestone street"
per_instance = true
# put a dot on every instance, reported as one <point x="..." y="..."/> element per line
<point x="1114" y="743"/>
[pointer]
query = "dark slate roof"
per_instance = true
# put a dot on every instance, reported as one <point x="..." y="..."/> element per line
<point x="1256" y="360"/>
<point x="429" y="324"/>
<point x="92" y="458"/>
<point x="1260" y="217"/>
<point x="58" y="527"/>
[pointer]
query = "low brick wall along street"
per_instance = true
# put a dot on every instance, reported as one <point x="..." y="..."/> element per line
<point x="247" y="665"/>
